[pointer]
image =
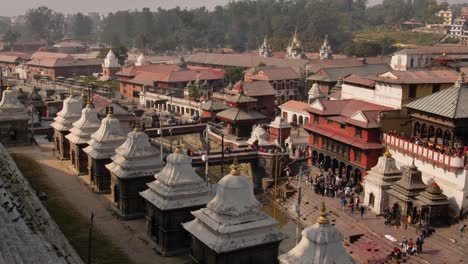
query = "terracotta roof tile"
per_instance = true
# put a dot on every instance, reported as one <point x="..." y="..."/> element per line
<point x="354" y="79"/>
<point x="417" y="76"/>
<point x="295" y="105"/>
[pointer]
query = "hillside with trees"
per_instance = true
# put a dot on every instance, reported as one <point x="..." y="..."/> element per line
<point x="240" y="25"/>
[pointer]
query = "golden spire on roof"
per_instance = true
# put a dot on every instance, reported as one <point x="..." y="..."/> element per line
<point x="178" y="149"/>
<point x="387" y="153"/>
<point x="461" y="80"/>
<point x="110" y="111"/>
<point x="323" y="220"/>
<point x="235" y="168"/>
<point x="88" y="103"/>
<point x="137" y="127"/>
<point x="8" y="88"/>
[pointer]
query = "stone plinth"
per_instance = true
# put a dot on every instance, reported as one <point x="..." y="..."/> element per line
<point x="70" y="113"/>
<point x="14" y="128"/>
<point x="232" y="228"/>
<point x="176" y="192"/>
<point x="100" y="149"/>
<point x="134" y="165"/>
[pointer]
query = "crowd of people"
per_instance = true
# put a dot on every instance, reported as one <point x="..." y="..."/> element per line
<point x="458" y="151"/>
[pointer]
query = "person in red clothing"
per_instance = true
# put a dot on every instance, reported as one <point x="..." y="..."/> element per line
<point x="411" y="248"/>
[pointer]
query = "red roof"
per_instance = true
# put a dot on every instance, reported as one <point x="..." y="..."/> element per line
<point x="169" y="73"/>
<point x="418" y="76"/>
<point x="342" y="137"/>
<point x="354" y="79"/>
<point x="346" y="109"/>
<point x="275" y="73"/>
<point x="50" y="55"/>
<point x="295" y="105"/>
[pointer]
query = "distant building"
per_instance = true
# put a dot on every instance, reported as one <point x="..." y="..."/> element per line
<point x="458" y="28"/>
<point x="447" y="16"/>
<point x="164" y="77"/>
<point x="422" y="57"/>
<point x="54" y="65"/>
<point x="265" y="49"/>
<point x="260" y="90"/>
<point x="110" y="66"/>
<point x="11" y="60"/>
<point x="295" y="49"/>
<point x="325" y="51"/>
<point x="285" y="80"/>
<point x="69" y="46"/>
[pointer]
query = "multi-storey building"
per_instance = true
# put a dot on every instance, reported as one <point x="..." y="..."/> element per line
<point x="345" y="135"/>
<point x="285" y="80"/>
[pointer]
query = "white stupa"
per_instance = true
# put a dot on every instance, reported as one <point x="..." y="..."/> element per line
<point x="70" y="113"/>
<point x="259" y="134"/>
<point x="177" y="185"/>
<point x="82" y="129"/>
<point x="111" y="60"/>
<point x="315" y="93"/>
<point x="378" y="180"/>
<point x="135" y="157"/>
<point x="10" y="107"/>
<point x="106" y="139"/>
<point x="233" y="220"/>
<point x="321" y="243"/>
<point x="141" y="60"/>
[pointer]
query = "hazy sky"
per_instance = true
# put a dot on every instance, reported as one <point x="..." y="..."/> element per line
<point x="18" y="7"/>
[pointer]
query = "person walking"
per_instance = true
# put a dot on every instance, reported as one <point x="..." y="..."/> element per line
<point x="461" y="229"/>
<point x="404" y="244"/>
<point x="363" y="210"/>
<point x="419" y="244"/>
<point x="344" y="202"/>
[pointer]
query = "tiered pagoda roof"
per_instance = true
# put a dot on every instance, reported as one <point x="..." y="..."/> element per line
<point x="177" y="185"/>
<point x="135" y="157"/>
<point x="106" y="139"/>
<point x="85" y="126"/>
<point x="410" y="185"/>
<point x="233" y="219"/>
<point x="70" y="113"/>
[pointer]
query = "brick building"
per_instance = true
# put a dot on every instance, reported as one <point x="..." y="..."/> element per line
<point x="12" y="59"/>
<point x="262" y="91"/>
<point x="165" y="76"/>
<point x="285" y="80"/>
<point x="65" y="66"/>
<point x="345" y="135"/>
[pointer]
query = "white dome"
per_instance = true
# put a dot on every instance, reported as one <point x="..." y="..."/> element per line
<point x="70" y="113"/>
<point x="111" y="60"/>
<point x="141" y="60"/>
<point x="234" y="196"/>
<point x="84" y="127"/>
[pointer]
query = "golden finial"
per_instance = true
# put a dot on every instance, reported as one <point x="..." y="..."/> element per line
<point x="178" y="148"/>
<point x="388" y="154"/>
<point x="137" y="127"/>
<point x="88" y="103"/>
<point x="323" y="220"/>
<point x="8" y="88"/>
<point x="235" y="168"/>
<point x="110" y="111"/>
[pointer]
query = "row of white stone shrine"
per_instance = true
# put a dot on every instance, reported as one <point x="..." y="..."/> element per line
<point x="182" y="216"/>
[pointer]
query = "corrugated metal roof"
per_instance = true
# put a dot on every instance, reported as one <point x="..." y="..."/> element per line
<point x="450" y="102"/>
<point x="333" y="74"/>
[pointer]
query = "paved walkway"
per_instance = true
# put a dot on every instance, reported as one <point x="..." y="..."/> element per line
<point x="445" y="246"/>
<point x="130" y="236"/>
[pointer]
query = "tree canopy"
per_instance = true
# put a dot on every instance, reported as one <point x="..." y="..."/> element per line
<point x="81" y="27"/>
<point x="44" y="23"/>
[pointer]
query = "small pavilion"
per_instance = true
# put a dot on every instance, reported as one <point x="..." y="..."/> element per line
<point x="14" y="128"/>
<point x="378" y="181"/>
<point x="402" y="194"/>
<point x="100" y="149"/>
<point x="177" y="191"/>
<point x="240" y="115"/>
<point x="79" y="136"/>
<point x="321" y="243"/>
<point x="232" y="228"/>
<point x="64" y="120"/>
<point x="433" y="206"/>
<point x="133" y="166"/>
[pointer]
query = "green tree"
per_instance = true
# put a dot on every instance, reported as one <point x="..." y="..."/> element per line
<point x="81" y="27"/>
<point x="11" y="37"/>
<point x="233" y="74"/>
<point x="194" y="92"/>
<point x="44" y="23"/>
